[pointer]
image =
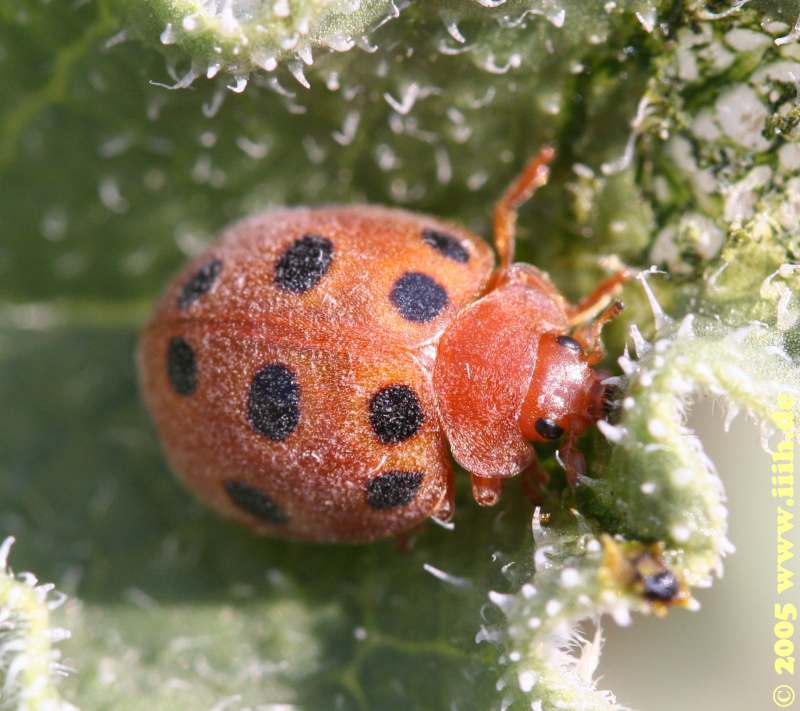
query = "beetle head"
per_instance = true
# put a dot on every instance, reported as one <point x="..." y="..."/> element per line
<point x="566" y="394"/>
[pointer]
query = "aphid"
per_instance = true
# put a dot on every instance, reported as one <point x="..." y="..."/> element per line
<point x="308" y="372"/>
<point x="640" y="569"/>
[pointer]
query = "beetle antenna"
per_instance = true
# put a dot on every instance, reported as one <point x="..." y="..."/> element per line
<point x="610" y="403"/>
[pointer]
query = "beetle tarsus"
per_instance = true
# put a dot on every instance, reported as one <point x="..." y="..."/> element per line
<point x="486" y="490"/>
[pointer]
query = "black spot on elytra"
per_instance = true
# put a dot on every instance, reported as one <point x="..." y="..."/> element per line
<point x="255" y="502"/>
<point x="547" y="428"/>
<point x="570" y="343"/>
<point x="395" y="413"/>
<point x="200" y="283"/>
<point x="273" y="405"/>
<point x="303" y="264"/>
<point x="394" y="488"/>
<point x="446" y="244"/>
<point x="181" y="366"/>
<point x="661" y="586"/>
<point x="418" y="297"/>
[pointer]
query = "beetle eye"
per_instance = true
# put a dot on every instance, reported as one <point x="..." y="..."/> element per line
<point x="569" y="342"/>
<point x="548" y="429"/>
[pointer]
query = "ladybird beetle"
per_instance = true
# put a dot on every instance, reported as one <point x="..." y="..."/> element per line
<point x="307" y="373"/>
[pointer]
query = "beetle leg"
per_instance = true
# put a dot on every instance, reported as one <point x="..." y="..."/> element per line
<point x="486" y="490"/>
<point x="571" y="458"/>
<point x="589" y="335"/>
<point x="447" y="506"/>
<point x="590" y="305"/>
<point x="533" y="176"/>
<point x="534" y="481"/>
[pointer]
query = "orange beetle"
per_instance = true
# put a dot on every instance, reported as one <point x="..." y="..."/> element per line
<point x="307" y="373"/>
